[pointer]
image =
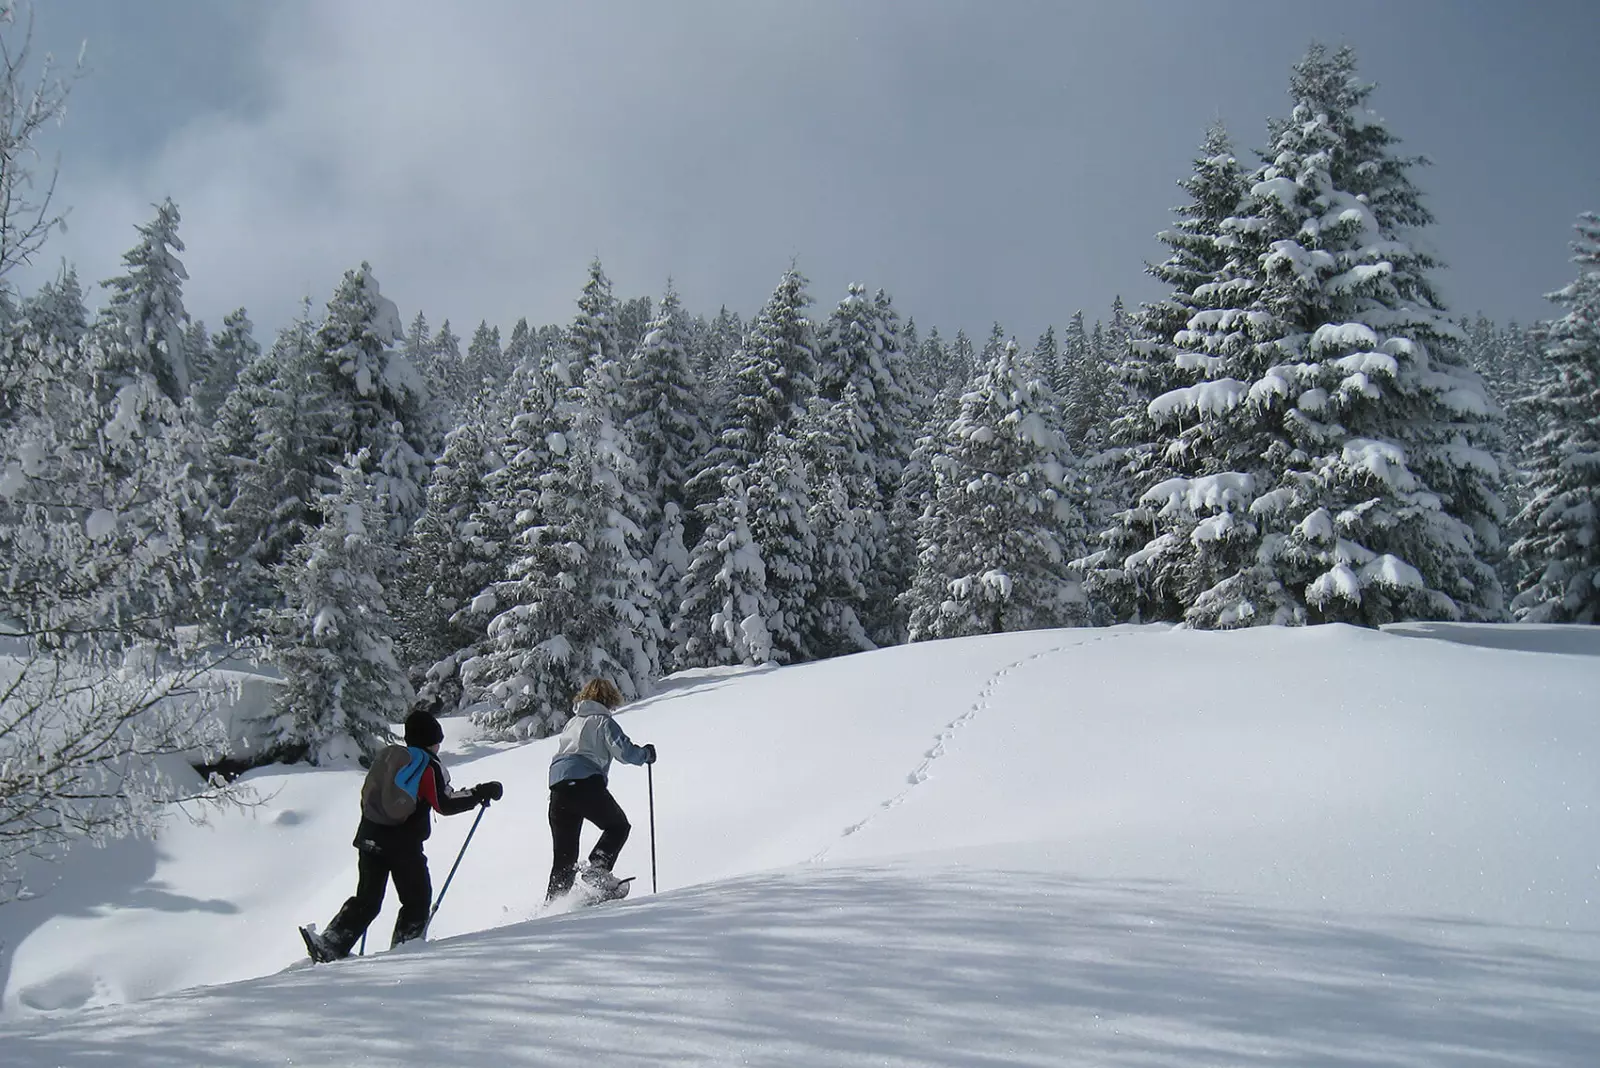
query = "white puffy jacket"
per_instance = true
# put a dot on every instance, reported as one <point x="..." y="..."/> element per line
<point x="588" y="743"/>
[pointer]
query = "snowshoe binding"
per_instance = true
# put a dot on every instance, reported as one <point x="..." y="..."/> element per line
<point x="600" y="885"/>
<point x="317" y="949"/>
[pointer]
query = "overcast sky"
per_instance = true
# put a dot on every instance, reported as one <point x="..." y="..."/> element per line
<point x="995" y="160"/>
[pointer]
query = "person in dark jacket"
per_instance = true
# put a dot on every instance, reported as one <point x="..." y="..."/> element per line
<point x="578" y="790"/>
<point x="395" y="852"/>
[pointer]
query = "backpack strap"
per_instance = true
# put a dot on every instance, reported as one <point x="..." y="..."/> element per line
<point x="409" y="778"/>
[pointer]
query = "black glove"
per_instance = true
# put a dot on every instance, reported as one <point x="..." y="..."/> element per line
<point x="485" y="792"/>
<point x="649" y="754"/>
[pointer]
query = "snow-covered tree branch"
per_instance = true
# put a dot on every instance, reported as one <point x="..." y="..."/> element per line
<point x="98" y="748"/>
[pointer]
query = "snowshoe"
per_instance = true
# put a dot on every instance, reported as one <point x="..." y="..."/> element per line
<point x="600" y="885"/>
<point x="318" y="950"/>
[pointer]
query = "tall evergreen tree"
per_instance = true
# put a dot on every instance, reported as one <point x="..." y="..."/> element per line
<point x="1073" y="381"/>
<point x="95" y="506"/>
<point x="725" y="605"/>
<point x="1003" y="523"/>
<point x="779" y="510"/>
<point x="269" y="454"/>
<point x="775" y="376"/>
<point x="593" y="339"/>
<point x="714" y="357"/>
<point x="577" y="597"/>
<point x="45" y="349"/>
<point x="145" y="314"/>
<point x="507" y="523"/>
<point x="772" y="383"/>
<point x="1045" y="360"/>
<point x="418" y="345"/>
<point x="663" y="412"/>
<point x="1339" y="461"/>
<point x="1199" y="253"/>
<point x="231" y="350"/>
<point x="634" y="317"/>
<point x="1561" y="544"/>
<point x="334" y="637"/>
<point x="378" y="400"/>
<point x="860" y="363"/>
<point x="449" y="558"/>
<point x="444" y="371"/>
<point x="846" y="539"/>
<point x="485" y="369"/>
<point x="519" y="348"/>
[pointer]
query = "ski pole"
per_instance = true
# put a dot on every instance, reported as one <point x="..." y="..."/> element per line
<point x="481" y="810"/>
<point x="650" y="782"/>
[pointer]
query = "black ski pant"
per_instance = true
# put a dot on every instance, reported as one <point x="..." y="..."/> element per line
<point x="408" y="868"/>
<point x="571" y="802"/>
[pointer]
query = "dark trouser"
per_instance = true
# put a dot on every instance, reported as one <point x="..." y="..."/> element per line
<point x="409" y="869"/>
<point x="572" y="802"/>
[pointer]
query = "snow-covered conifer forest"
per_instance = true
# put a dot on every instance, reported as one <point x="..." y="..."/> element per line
<point x="380" y="509"/>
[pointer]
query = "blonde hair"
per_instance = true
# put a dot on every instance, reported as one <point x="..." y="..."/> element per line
<point x="603" y="690"/>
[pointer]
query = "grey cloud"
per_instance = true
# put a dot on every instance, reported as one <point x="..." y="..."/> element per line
<point x="986" y="161"/>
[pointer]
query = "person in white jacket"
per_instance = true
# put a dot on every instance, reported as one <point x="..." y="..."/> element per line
<point x="578" y="790"/>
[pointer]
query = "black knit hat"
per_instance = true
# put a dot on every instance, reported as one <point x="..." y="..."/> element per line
<point x="423" y="730"/>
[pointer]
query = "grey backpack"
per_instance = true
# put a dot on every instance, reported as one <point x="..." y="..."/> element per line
<point x="389" y="794"/>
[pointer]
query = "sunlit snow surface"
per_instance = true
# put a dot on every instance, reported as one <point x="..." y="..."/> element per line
<point x="1134" y="846"/>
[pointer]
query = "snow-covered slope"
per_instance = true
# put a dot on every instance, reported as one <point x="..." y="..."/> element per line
<point x="1126" y="846"/>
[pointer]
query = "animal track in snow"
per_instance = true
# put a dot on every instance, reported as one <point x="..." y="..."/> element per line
<point x="922" y="772"/>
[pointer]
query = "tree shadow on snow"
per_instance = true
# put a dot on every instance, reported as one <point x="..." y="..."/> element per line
<point x="87" y="881"/>
<point x="1570" y="639"/>
<point x="849" y="966"/>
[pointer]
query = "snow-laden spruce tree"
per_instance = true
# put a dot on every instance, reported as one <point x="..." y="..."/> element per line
<point x="1340" y="458"/>
<point x="939" y="365"/>
<point x="779" y="510"/>
<point x="634" y="317"/>
<point x="231" y="350"/>
<point x="772" y="382"/>
<point x="848" y="536"/>
<point x="722" y="618"/>
<point x="1561" y="544"/>
<point x="1003" y="523"/>
<point x="519" y="347"/>
<point x="1074" y="382"/>
<point x="449" y="558"/>
<point x="861" y="452"/>
<point x="506" y="522"/>
<point x="418" y="344"/>
<point x="378" y="400"/>
<point x="145" y="310"/>
<point x="622" y="571"/>
<point x="334" y="637"/>
<point x="44" y="346"/>
<point x="269" y="463"/>
<point x="485" y="366"/>
<point x="713" y="352"/>
<point x="574" y="603"/>
<point x="576" y="597"/>
<point x="669" y="559"/>
<point x="95" y="488"/>
<point x="444" y="373"/>
<point x="1154" y="365"/>
<point x="664" y="413"/>
<point x="53" y="318"/>
<point x="859" y="348"/>
<point x="592" y="340"/>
